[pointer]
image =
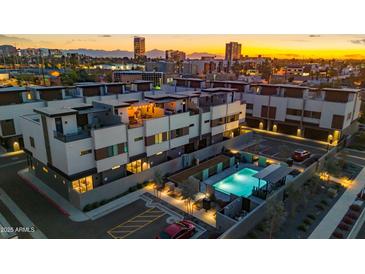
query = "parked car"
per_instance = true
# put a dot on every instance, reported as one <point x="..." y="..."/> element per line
<point x="300" y="155"/>
<point x="180" y="230"/>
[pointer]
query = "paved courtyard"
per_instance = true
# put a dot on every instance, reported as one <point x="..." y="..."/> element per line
<point x="282" y="149"/>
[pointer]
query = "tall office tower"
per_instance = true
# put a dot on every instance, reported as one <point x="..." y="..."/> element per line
<point x="233" y="51"/>
<point x="139" y="47"/>
<point x="175" y="55"/>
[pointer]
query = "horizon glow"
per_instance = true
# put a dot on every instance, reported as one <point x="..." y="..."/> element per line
<point x="279" y="46"/>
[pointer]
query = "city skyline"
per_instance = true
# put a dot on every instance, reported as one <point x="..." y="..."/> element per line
<point x="280" y="46"/>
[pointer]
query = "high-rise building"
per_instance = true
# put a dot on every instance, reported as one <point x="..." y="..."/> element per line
<point x="233" y="51"/>
<point x="175" y="55"/>
<point x="139" y="47"/>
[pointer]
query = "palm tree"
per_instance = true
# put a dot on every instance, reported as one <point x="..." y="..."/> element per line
<point x="276" y="215"/>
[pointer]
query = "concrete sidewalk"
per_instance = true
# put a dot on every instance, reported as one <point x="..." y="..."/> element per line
<point x="114" y="205"/>
<point x="10" y="154"/>
<point x="64" y="206"/>
<point x="68" y="209"/>
<point x="329" y="223"/>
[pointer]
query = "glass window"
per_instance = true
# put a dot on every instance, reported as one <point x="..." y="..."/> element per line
<point x="83" y="184"/>
<point x="158" y="138"/>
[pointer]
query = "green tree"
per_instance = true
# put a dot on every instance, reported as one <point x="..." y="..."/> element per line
<point x="332" y="167"/>
<point x="159" y="183"/>
<point x="276" y="215"/>
<point x="295" y="196"/>
<point x="314" y="184"/>
<point x="188" y="193"/>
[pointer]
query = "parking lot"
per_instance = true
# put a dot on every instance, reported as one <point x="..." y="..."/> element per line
<point x="282" y="149"/>
<point x="148" y="221"/>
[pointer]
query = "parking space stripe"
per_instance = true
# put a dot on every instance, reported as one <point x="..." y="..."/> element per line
<point x="136" y="223"/>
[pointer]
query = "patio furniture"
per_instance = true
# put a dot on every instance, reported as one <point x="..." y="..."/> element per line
<point x="206" y="204"/>
<point x="178" y="191"/>
<point x="170" y="186"/>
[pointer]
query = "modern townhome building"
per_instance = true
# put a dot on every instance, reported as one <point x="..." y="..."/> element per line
<point x="80" y="147"/>
<point x="18" y="101"/>
<point x="129" y="76"/>
<point x="321" y="114"/>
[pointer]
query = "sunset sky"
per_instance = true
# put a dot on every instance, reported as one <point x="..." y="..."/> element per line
<point x="281" y="46"/>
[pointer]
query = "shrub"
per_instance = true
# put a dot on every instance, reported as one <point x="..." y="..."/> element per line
<point x="132" y="189"/>
<point x="88" y="207"/>
<point x="139" y="186"/>
<point x="324" y="202"/>
<point x="307" y="221"/>
<point x="103" y="202"/>
<point x="320" y="206"/>
<point x="348" y="221"/>
<point x="260" y="227"/>
<point x="344" y="226"/>
<point x="252" y="235"/>
<point x="302" y="227"/>
<point x="353" y="215"/>
<point x="355" y="208"/>
<point x="337" y="235"/>
<point x="311" y="216"/>
<point x="95" y="205"/>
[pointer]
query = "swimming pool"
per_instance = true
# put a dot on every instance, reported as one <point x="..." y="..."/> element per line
<point x="240" y="183"/>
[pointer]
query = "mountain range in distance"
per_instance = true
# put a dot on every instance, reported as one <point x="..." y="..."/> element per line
<point x="155" y="53"/>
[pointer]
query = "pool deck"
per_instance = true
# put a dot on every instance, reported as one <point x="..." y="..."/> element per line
<point x="228" y="172"/>
<point x="185" y="174"/>
<point x="224" y="174"/>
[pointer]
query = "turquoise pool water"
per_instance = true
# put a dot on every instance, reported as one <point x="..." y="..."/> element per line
<point x="240" y="183"/>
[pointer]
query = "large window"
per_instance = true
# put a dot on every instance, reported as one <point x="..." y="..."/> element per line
<point x="312" y="114"/>
<point x="112" y="150"/>
<point x="31" y="140"/>
<point x="158" y="138"/>
<point x="138" y="166"/>
<point x="7" y="127"/>
<point x="83" y="184"/>
<point x="292" y="111"/>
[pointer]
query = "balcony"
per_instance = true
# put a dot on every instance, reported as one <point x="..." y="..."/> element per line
<point x="71" y="137"/>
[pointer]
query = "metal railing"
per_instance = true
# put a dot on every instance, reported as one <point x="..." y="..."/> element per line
<point x="71" y="137"/>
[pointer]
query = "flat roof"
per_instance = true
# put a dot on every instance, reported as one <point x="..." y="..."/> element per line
<point x="219" y="89"/>
<point x="115" y="84"/>
<point x="137" y="72"/>
<point x="115" y="103"/>
<point x="351" y="90"/>
<point x="189" y="93"/>
<point x="51" y="87"/>
<point x="141" y="82"/>
<point x="55" y="112"/>
<point x="230" y="82"/>
<point x="13" y="89"/>
<point x="273" y="173"/>
<point x="89" y="84"/>
<point x="190" y="79"/>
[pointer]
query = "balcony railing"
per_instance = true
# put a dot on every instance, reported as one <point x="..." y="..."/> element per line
<point x="71" y="137"/>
